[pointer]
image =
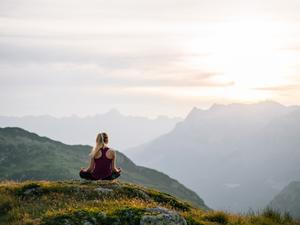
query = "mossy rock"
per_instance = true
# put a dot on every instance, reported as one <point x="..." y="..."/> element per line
<point x="125" y="216"/>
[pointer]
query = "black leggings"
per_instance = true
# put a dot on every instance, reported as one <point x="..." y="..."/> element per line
<point x="88" y="176"/>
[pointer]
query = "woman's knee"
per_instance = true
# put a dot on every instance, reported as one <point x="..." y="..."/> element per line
<point x="115" y="175"/>
<point x="82" y="174"/>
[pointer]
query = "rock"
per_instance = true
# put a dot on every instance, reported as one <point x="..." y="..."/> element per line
<point x="87" y="223"/>
<point x="162" y="216"/>
<point x="87" y="182"/>
<point x="66" y="222"/>
<point x="114" y="186"/>
<point x="103" y="190"/>
<point x="94" y="219"/>
<point x="28" y="191"/>
<point x="31" y="191"/>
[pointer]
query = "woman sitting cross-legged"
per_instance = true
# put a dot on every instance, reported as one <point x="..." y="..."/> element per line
<point x="103" y="162"/>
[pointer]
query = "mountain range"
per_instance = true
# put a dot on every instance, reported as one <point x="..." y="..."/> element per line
<point x="124" y="131"/>
<point x="236" y="156"/>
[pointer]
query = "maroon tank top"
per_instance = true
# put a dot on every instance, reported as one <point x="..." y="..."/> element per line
<point x="103" y="165"/>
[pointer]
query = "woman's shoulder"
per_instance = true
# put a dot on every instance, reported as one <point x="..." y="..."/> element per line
<point x="111" y="152"/>
<point x="111" y="149"/>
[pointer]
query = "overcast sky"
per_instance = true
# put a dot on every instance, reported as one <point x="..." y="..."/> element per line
<point x="64" y="57"/>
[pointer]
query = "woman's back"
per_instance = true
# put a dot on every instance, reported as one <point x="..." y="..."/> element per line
<point x="102" y="162"/>
<point x="103" y="165"/>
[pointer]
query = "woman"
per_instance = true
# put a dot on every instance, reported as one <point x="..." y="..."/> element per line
<point x="102" y="163"/>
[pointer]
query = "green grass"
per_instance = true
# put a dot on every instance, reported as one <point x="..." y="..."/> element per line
<point x="75" y="202"/>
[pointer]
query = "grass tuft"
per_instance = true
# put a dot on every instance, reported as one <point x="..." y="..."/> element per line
<point x="217" y="217"/>
<point x="6" y="204"/>
<point x="168" y="199"/>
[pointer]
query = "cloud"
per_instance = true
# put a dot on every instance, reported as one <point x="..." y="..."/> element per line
<point x="178" y="10"/>
<point x="93" y="75"/>
<point x="291" y="48"/>
<point x="130" y="53"/>
<point x="37" y="61"/>
<point x="286" y="88"/>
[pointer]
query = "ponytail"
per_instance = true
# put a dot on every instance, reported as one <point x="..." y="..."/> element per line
<point x="99" y="144"/>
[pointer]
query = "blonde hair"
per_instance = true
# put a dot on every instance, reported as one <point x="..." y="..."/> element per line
<point x="100" y="143"/>
<point x="105" y="137"/>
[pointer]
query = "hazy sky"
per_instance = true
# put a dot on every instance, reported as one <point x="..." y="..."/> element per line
<point x="63" y="57"/>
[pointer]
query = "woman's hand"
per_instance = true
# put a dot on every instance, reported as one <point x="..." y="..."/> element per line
<point x="117" y="170"/>
<point x="83" y="169"/>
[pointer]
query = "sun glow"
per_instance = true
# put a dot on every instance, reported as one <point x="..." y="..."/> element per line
<point x="247" y="53"/>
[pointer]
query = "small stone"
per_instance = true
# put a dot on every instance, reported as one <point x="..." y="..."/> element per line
<point x="87" y="223"/>
<point x="94" y="219"/>
<point x="103" y="190"/>
<point x="114" y="186"/>
<point x="30" y="191"/>
<point x="66" y="222"/>
<point x="162" y="216"/>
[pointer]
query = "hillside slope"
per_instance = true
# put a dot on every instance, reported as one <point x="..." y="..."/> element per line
<point x="25" y="155"/>
<point x="288" y="200"/>
<point x="109" y="203"/>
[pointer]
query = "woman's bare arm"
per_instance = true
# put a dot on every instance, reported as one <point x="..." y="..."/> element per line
<point x="91" y="166"/>
<point x="114" y="167"/>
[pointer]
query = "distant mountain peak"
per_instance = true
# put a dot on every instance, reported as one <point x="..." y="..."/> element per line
<point x="193" y="113"/>
<point x="194" y="109"/>
<point x="263" y="106"/>
<point x="216" y="106"/>
<point x="114" y="112"/>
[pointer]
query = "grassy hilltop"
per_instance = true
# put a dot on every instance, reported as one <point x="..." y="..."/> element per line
<point x="105" y="203"/>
